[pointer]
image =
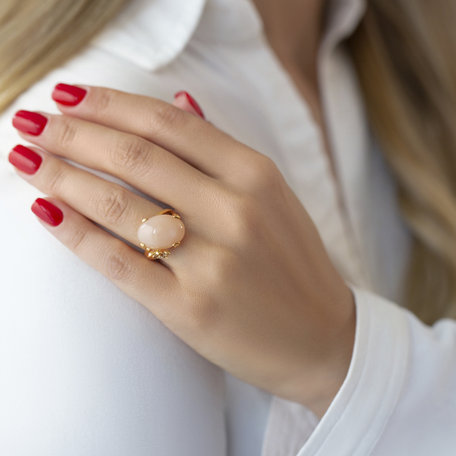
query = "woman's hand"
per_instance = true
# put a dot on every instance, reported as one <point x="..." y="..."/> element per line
<point x="251" y="287"/>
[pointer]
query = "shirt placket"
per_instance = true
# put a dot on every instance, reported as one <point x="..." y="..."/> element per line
<point x="303" y="161"/>
<point x="348" y="140"/>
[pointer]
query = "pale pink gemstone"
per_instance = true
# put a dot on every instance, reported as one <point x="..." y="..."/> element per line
<point x="161" y="231"/>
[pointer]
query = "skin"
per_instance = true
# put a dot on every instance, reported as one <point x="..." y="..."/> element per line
<point x="282" y="322"/>
<point x="294" y="29"/>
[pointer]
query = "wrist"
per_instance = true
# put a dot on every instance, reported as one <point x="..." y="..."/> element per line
<point x="335" y="369"/>
<point x="318" y="386"/>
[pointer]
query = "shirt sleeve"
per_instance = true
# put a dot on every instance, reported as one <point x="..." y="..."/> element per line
<point x="398" y="398"/>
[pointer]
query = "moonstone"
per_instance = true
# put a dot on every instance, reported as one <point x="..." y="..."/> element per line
<point x="161" y="231"/>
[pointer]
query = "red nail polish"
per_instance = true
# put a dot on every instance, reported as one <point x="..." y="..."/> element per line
<point x="47" y="212"/>
<point x="25" y="159"/>
<point x="68" y="95"/>
<point x="192" y="102"/>
<point x="29" y="122"/>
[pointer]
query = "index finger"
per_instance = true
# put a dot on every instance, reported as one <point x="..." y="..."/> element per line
<point x="191" y="138"/>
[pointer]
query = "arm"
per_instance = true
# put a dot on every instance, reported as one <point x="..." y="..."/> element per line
<point x="399" y="396"/>
<point x="292" y="336"/>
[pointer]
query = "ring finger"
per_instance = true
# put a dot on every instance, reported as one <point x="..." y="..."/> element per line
<point x="108" y="204"/>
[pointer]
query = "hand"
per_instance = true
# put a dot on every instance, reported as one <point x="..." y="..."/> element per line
<point x="251" y="287"/>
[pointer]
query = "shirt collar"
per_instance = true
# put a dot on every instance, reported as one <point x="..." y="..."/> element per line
<point x="342" y="18"/>
<point x="152" y="33"/>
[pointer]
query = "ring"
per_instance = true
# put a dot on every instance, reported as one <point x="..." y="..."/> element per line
<point x="160" y="233"/>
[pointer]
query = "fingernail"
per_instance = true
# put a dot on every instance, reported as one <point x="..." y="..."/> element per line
<point x="47" y="212"/>
<point x="29" y="122"/>
<point x="68" y="95"/>
<point x="192" y="102"/>
<point x="25" y="159"/>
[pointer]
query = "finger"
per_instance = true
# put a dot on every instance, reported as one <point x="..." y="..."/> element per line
<point x="185" y="101"/>
<point x="106" y="203"/>
<point x="150" y="283"/>
<point x="144" y="165"/>
<point x="197" y="142"/>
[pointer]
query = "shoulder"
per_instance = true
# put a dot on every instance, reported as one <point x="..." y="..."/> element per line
<point x="151" y="33"/>
<point x="145" y="36"/>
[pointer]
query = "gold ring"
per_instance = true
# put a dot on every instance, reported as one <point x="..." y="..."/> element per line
<point x="160" y="233"/>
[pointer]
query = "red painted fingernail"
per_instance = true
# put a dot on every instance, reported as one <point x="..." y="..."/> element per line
<point x="47" y="212"/>
<point x="29" y="122"/>
<point x="68" y="95"/>
<point x="192" y="102"/>
<point x="25" y="159"/>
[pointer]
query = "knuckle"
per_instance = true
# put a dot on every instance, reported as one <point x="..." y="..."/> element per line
<point x="201" y="314"/>
<point x="222" y="266"/>
<point x="201" y="310"/>
<point x="242" y="219"/>
<point x="202" y="307"/>
<point x="132" y="155"/>
<point x="56" y="178"/>
<point x="113" y="205"/>
<point x="166" y="117"/>
<point x="262" y="173"/>
<point x="268" y="167"/>
<point x="77" y="239"/>
<point x="66" y="132"/>
<point x="118" y="266"/>
<point x="102" y="100"/>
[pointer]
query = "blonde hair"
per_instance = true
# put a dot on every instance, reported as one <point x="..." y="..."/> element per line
<point x="402" y="50"/>
<point x="38" y="36"/>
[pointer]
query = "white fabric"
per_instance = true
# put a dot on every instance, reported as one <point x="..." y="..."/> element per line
<point x="87" y="371"/>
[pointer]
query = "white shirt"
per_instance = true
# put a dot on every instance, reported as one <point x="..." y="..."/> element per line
<point x="85" y="370"/>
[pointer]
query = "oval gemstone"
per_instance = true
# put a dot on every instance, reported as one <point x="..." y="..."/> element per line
<point x="161" y="231"/>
